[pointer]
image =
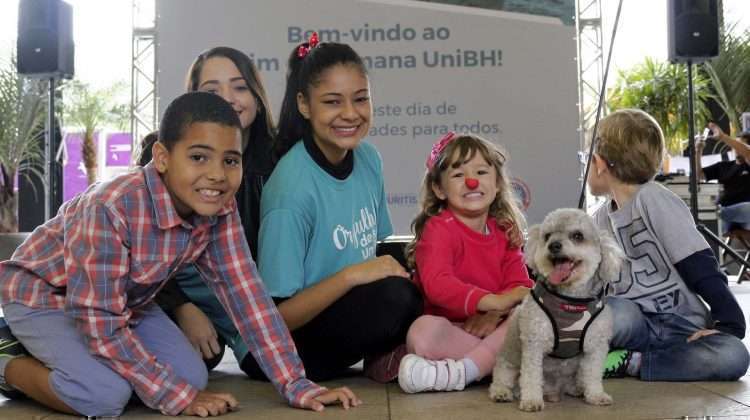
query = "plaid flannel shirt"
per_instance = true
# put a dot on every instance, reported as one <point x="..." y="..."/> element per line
<point x="106" y="254"/>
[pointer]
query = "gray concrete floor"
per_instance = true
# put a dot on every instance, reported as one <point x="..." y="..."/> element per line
<point x="633" y="399"/>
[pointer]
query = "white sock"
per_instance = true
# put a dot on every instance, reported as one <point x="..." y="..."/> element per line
<point x="472" y="371"/>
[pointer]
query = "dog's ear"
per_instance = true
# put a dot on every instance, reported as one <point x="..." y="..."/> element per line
<point x="612" y="257"/>
<point x="532" y="244"/>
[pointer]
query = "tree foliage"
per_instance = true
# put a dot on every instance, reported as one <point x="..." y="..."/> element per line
<point x="661" y="89"/>
<point x="22" y="111"/>
<point x="730" y="75"/>
<point x="91" y="110"/>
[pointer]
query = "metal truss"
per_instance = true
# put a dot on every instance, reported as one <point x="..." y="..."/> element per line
<point x="590" y="60"/>
<point x="143" y="101"/>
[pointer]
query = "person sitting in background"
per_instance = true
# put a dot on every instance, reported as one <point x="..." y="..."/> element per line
<point x="145" y="155"/>
<point x="734" y="176"/>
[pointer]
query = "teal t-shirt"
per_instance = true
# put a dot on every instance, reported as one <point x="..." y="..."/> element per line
<point x="314" y="225"/>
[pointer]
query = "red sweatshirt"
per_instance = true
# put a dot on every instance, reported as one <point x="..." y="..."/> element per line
<point x="457" y="266"/>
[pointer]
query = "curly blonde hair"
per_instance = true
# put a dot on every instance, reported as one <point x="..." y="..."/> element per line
<point x="504" y="209"/>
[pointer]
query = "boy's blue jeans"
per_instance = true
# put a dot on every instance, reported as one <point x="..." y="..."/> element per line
<point x="666" y="354"/>
<point x="80" y="379"/>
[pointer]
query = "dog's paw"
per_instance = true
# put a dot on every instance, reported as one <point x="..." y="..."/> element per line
<point x="500" y="393"/>
<point x="599" y="399"/>
<point x="531" y="405"/>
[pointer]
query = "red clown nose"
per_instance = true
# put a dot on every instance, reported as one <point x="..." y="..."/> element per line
<point x="472" y="183"/>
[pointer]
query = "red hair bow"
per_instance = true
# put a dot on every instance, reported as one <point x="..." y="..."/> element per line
<point x="438" y="148"/>
<point x="303" y="50"/>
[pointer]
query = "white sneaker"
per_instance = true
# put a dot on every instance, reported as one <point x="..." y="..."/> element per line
<point x="417" y="374"/>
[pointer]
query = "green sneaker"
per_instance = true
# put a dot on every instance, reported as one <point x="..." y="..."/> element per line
<point x="616" y="365"/>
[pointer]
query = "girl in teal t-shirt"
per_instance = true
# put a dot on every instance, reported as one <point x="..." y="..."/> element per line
<point x="322" y="212"/>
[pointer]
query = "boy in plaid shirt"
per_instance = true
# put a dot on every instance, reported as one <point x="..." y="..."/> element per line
<point x="78" y="293"/>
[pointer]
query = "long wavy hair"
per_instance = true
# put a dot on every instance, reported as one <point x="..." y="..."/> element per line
<point x="262" y="130"/>
<point x="504" y="209"/>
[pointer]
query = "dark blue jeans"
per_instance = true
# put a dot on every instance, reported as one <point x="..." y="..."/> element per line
<point x="667" y="356"/>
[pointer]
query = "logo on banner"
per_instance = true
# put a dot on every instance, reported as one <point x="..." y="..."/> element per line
<point x="119" y="149"/>
<point x="522" y="192"/>
<point x="363" y="234"/>
<point x="402" y="199"/>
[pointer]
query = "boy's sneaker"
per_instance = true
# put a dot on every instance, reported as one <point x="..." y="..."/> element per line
<point x="616" y="365"/>
<point x="383" y="367"/>
<point x="10" y="348"/>
<point x="417" y="374"/>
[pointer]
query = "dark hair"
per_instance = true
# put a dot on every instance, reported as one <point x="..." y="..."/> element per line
<point x="145" y="156"/>
<point x="745" y="135"/>
<point x="262" y="129"/>
<point x="194" y="107"/>
<point x="302" y="73"/>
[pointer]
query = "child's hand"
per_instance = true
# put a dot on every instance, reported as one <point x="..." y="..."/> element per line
<point x="375" y="269"/>
<point x="701" y="333"/>
<point x="343" y="395"/>
<point x="483" y="324"/>
<point x="210" y="404"/>
<point x="519" y="293"/>
<point x="198" y="329"/>
<point x="503" y="302"/>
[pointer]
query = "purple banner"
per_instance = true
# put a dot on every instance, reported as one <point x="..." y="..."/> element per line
<point x="119" y="149"/>
<point x="74" y="173"/>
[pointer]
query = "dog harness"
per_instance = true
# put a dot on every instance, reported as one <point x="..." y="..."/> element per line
<point x="570" y="318"/>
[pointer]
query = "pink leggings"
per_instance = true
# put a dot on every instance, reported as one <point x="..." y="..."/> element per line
<point x="436" y="338"/>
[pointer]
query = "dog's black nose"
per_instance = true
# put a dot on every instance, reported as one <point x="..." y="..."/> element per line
<point x="554" y="247"/>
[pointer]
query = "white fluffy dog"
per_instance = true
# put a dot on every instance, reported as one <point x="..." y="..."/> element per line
<point x="574" y="261"/>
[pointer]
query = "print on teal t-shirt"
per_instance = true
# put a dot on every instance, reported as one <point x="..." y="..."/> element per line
<point x="314" y="225"/>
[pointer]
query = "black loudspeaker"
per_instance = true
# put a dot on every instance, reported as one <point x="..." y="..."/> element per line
<point x="693" y="30"/>
<point x="45" y="39"/>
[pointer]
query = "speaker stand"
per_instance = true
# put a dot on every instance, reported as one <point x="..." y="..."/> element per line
<point x="693" y="180"/>
<point x="49" y="141"/>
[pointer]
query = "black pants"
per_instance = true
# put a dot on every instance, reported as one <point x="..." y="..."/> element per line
<point x="369" y="319"/>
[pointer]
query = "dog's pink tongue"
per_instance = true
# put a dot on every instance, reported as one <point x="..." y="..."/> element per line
<point x="560" y="273"/>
